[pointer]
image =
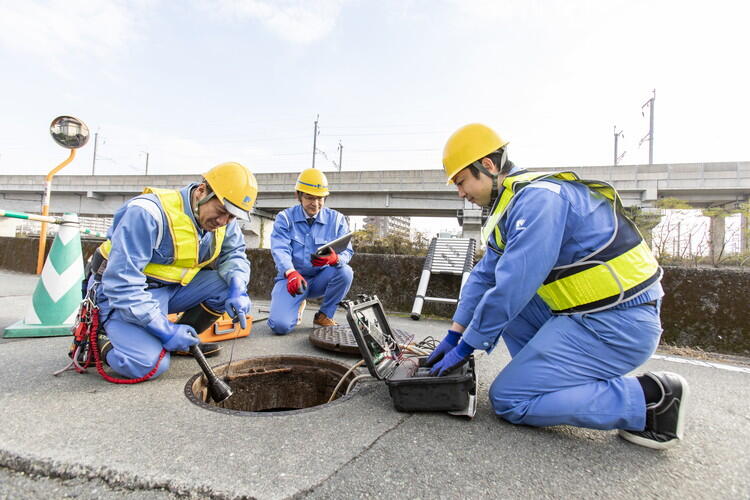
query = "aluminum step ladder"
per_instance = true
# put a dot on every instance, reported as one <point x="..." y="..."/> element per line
<point x="446" y="256"/>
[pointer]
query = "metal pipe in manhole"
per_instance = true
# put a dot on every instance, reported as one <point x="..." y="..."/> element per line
<point x="275" y="385"/>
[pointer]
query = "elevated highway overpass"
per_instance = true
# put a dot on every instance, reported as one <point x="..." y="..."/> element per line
<point x="389" y="192"/>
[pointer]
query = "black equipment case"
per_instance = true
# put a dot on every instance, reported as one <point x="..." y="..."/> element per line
<point x="411" y="386"/>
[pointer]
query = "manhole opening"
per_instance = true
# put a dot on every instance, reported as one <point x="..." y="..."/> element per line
<point x="275" y="385"/>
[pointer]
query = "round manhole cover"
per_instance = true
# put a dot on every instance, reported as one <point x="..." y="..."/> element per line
<point x="276" y="385"/>
<point x="340" y="338"/>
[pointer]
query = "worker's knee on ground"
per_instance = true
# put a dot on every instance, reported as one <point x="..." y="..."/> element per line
<point x="282" y="326"/>
<point x="510" y="410"/>
<point x="507" y="406"/>
<point x="514" y="411"/>
<point x="132" y="367"/>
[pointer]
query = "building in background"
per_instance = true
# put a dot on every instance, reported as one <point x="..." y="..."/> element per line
<point x="449" y="233"/>
<point x="386" y="225"/>
<point x="93" y="224"/>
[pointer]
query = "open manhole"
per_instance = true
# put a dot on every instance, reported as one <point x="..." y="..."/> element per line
<point x="275" y="385"/>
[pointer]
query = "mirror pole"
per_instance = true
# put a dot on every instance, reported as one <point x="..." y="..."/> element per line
<point x="45" y="210"/>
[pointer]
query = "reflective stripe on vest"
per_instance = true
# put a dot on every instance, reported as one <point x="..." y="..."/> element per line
<point x="185" y="240"/>
<point x="622" y="268"/>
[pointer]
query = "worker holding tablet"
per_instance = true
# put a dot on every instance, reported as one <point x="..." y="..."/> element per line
<point x="298" y="233"/>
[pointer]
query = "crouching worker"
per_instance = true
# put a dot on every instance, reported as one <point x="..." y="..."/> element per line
<point x="297" y="234"/>
<point x="156" y="261"/>
<point x="575" y="293"/>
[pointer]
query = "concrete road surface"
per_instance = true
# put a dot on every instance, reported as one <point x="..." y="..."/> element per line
<point x="77" y="436"/>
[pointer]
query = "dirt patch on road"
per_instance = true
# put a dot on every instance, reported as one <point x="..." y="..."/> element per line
<point x="698" y="353"/>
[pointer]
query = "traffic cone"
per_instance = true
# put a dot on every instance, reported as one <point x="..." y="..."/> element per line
<point x="57" y="296"/>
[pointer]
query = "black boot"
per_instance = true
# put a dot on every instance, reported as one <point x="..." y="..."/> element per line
<point x="104" y="346"/>
<point x="200" y="317"/>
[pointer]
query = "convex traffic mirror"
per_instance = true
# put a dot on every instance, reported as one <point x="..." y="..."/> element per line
<point x="69" y="132"/>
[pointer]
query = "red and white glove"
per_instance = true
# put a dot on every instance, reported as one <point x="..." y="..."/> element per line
<point x="295" y="283"/>
<point x="328" y="259"/>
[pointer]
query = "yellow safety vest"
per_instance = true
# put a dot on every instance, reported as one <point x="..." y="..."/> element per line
<point x="616" y="272"/>
<point x="185" y="264"/>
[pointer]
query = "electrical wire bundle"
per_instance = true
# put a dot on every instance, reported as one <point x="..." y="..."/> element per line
<point x="414" y="350"/>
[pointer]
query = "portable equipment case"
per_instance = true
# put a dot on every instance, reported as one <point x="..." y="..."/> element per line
<point x="410" y="384"/>
<point x="223" y="329"/>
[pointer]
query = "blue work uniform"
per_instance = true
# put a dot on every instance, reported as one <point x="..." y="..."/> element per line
<point x="293" y="241"/>
<point x="129" y="300"/>
<point x="565" y="369"/>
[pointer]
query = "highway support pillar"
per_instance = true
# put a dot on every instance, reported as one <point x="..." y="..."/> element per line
<point x="471" y="223"/>
<point x="716" y="235"/>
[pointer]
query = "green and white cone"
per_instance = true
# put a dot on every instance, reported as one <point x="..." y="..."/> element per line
<point x="58" y="292"/>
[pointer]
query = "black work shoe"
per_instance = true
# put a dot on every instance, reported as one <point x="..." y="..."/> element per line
<point x="209" y="349"/>
<point x="665" y="419"/>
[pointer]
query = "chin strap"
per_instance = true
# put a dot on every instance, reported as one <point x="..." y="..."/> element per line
<point x="495" y="188"/>
<point x="197" y="207"/>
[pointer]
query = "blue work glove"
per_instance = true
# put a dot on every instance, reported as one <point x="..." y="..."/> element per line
<point x="173" y="337"/>
<point x="446" y="345"/>
<point x="455" y="358"/>
<point x="238" y="303"/>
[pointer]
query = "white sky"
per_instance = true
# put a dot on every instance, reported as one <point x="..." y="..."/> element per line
<point x="198" y="82"/>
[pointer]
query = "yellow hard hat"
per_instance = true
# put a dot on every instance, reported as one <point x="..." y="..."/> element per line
<point x="468" y="144"/>
<point x="312" y="181"/>
<point x="235" y="186"/>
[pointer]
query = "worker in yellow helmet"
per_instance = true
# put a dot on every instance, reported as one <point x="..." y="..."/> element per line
<point x="297" y="233"/>
<point x="574" y="291"/>
<point x="156" y="260"/>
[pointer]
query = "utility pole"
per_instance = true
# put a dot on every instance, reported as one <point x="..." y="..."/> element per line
<point x="315" y="140"/>
<point x="93" y="162"/>
<point x="146" y="153"/>
<point x="617" y="136"/>
<point x="341" y="152"/>
<point x="650" y="136"/>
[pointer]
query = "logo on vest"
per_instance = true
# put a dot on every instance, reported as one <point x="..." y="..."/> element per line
<point x="520" y="224"/>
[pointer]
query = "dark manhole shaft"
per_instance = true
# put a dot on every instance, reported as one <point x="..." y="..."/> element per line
<point x="274" y="385"/>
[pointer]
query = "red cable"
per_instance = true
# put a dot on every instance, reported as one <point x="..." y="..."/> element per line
<point x="93" y="341"/>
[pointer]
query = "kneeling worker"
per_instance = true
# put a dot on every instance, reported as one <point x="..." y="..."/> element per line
<point x="573" y="289"/>
<point x="156" y="261"/>
<point x="297" y="233"/>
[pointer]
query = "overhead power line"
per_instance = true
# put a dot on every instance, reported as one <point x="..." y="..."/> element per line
<point x="383" y="133"/>
<point x="392" y="150"/>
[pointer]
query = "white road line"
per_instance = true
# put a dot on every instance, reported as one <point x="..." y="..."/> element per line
<point x="720" y="366"/>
